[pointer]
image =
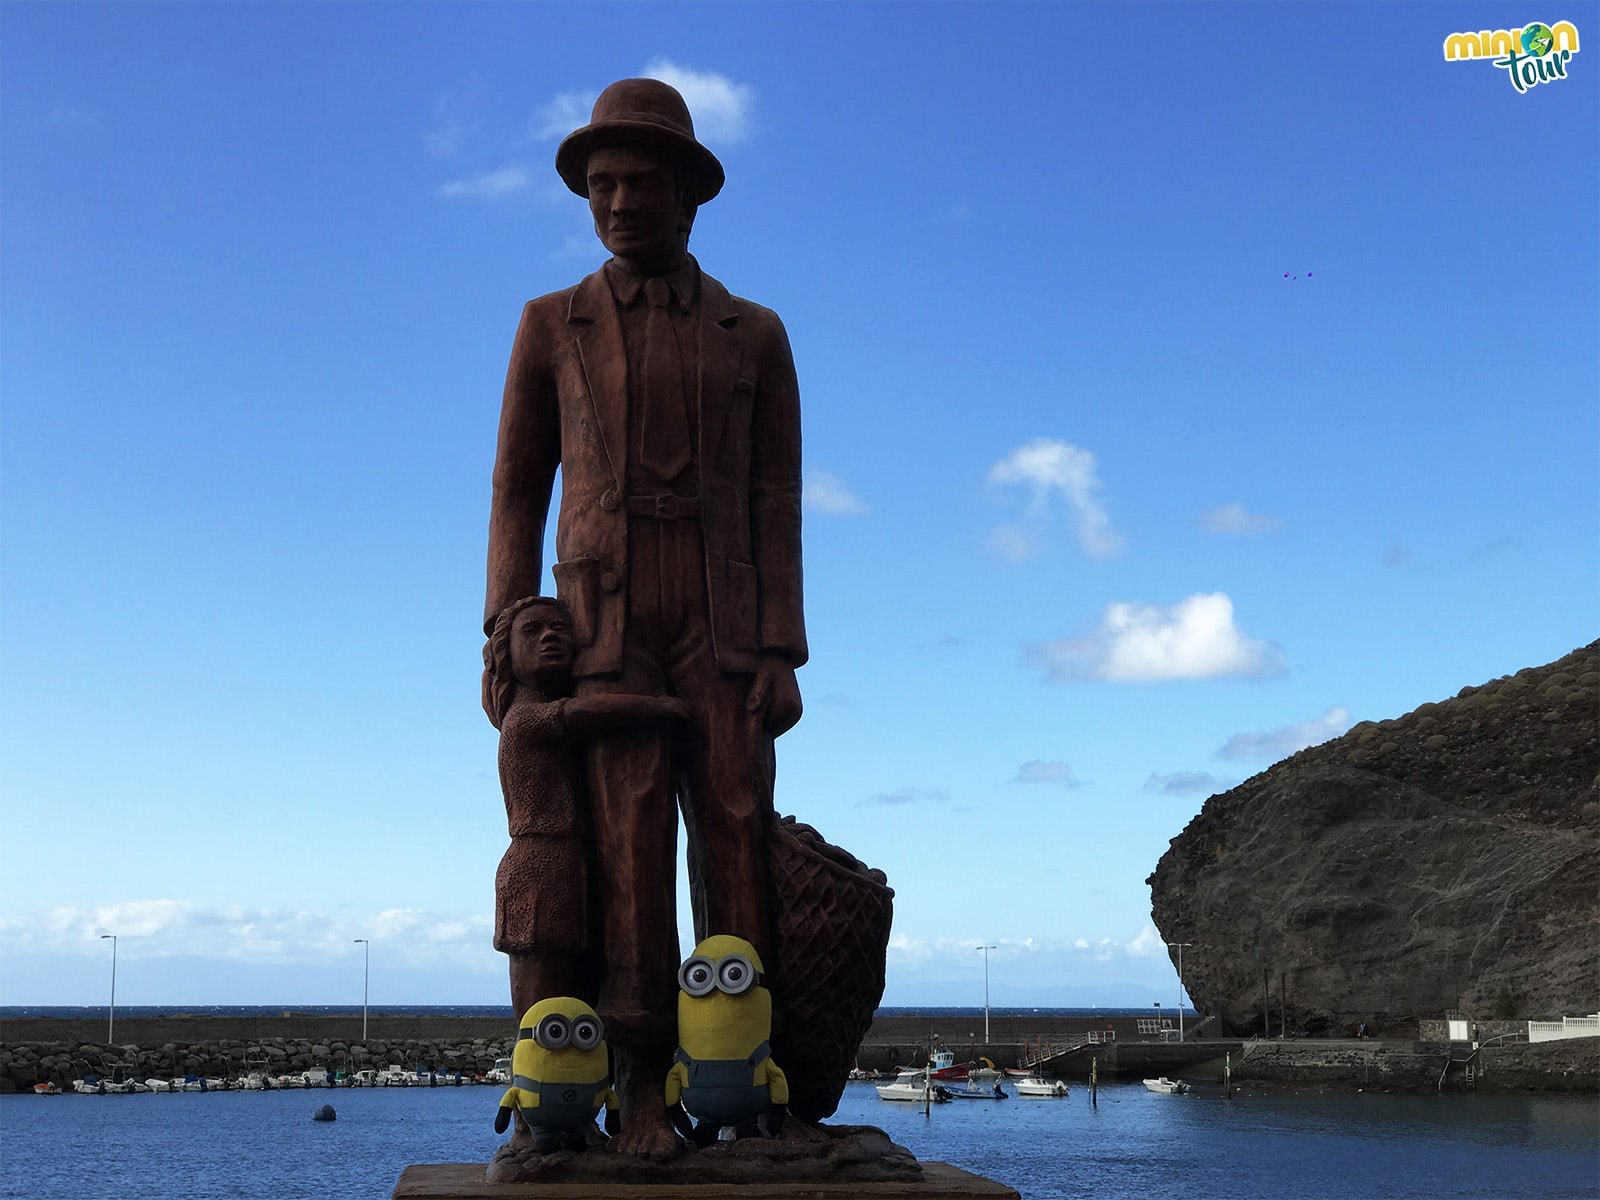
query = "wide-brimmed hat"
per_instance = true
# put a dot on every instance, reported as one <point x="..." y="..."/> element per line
<point x="639" y="112"/>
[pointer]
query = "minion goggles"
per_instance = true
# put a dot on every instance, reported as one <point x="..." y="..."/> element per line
<point x="734" y="975"/>
<point x="555" y="1031"/>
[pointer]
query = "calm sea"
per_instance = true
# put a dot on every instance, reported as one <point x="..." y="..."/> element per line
<point x="1134" y="1144"/>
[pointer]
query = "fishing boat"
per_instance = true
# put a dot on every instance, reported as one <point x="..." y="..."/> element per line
<point x="47" y="1089"/>
<point x="1167" y="1087"/>
<point x="158" y="1085"/>
<point x="914" y="1086"/>
<point x="1037" y="1085"/>
<point x="942" y="1065"/>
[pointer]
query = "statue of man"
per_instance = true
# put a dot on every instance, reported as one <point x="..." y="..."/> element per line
<point x="672" y="410"/>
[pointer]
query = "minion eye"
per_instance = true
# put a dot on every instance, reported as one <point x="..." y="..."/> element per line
<point x="553" y="1032"/>
<point x="586" y="1033"/>
<point x="735" y="975"/>
<point x="697" y="977"/>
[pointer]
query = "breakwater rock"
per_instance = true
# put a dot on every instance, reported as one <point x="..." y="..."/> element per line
<point x="25" y="1063"/>
<point x="1445" y="860"/>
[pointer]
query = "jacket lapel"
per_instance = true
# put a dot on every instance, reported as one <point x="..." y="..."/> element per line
<point x="721" y="357"/>
<point x="597" y="337"/>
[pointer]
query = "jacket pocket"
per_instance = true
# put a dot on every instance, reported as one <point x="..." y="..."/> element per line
<point x="578" y="584"/>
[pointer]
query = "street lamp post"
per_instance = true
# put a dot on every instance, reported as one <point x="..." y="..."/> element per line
<point x="1160" y="1036"/>
<point x="986" y="950"/>
<point x="1180" y="946"/>
<point x="111" y="1013"/>
<point x="366" y="969"/>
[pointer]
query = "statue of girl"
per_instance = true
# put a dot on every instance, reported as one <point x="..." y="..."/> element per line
<point x="545" y="915"/>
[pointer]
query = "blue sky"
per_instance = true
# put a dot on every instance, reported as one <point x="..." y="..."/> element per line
<point x="1182" y="385"/>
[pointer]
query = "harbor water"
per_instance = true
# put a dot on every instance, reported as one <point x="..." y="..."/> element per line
<point x="1132" y="1144"/>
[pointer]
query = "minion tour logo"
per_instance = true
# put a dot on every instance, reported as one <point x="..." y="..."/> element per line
<point x="1533" y="55"/>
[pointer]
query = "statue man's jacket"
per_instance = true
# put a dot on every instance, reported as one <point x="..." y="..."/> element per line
<point x="565" y="405"/>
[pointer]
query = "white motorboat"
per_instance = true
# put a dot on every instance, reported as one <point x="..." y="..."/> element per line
<point x="913" y="1086"/>
<point x="158" y="1085"/>
<point x="89" y="1085"/>
<point x="1037" y="1085"/>
<point x="1167" y="1087"/>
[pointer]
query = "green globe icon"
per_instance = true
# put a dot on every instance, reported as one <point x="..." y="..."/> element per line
<point x="1537" y="39"/>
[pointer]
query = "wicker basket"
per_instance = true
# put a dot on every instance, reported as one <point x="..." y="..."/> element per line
<point x="833" y="915"/>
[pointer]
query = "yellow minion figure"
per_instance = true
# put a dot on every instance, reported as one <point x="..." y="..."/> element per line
<point x="723" y="1073"/>
<point x="560" y="1075"/>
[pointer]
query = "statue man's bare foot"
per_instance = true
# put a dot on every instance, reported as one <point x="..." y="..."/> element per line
<point x="647" y="1134"/>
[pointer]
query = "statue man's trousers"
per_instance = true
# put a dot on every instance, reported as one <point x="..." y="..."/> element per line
<point x="720" y="770"/>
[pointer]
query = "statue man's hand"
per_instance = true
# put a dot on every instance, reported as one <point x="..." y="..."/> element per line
<point x="775" y="696"/>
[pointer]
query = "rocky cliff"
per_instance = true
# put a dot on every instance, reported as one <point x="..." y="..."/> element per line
<point x="1445" y="860"/>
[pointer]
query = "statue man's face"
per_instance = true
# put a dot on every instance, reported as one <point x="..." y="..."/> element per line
<point x="542" y="647"/>
<point x="638" y="205"/>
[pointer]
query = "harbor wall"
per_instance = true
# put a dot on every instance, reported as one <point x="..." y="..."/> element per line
<point x="46" y="1049"/>
<point x="957" y="1032"/>
<point x="54" y="1050"/>
<point x="1423" y="1066"/>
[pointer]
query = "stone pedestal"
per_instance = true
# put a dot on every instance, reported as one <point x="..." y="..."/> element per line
<point x="465" y="1181"/>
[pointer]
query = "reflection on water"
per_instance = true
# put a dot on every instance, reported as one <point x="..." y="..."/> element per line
<point x="1133" y="1145"/>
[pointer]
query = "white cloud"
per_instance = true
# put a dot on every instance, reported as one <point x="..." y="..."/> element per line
<point x="489" y="185"/>
<point x="1235" y="518"/>
<point x="1280" y="743"/>
<point x="443" y="137"/>
<point x="1139" y="643"/>
<point x="720" y="108"/>
<point x="1183" y="783"/>
<point x="906" y="795"/>
<point x="1041" y="771"/>
<point x="560" y="116"/>
<point x="907" y="949"/>
<point x="159" y="927"/>
<point x="1049" y="467"/>
<point x="1147" y="943"/>
<point x="1010" y="543"/>
<point x="825" y="492"/>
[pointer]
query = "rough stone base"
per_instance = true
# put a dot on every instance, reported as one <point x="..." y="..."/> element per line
<point x="467" y="1181"/>
<point x="852" y="1154"/>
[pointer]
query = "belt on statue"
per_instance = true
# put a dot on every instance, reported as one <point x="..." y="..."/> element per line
<point x="664" y="507"/>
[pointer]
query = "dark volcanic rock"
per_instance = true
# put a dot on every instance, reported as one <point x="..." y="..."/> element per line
<point x="1445" y="860"/>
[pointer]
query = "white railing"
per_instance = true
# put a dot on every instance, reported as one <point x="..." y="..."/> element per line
<point x="1567" y="1027"/>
